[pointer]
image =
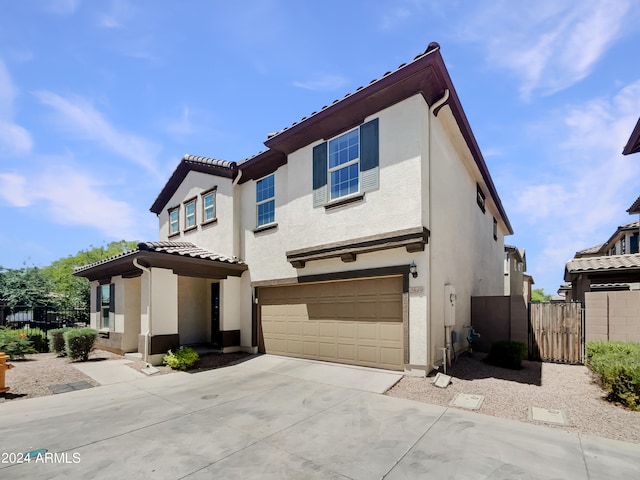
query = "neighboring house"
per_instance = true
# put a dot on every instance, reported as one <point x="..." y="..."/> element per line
<point x="356" y="236"/>
<point x="515" y="264"/>
<point x="527" y="287"/>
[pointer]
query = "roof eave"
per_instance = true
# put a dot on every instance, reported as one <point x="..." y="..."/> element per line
<point x="389" y="90"/>
<point x="633" y="145"/>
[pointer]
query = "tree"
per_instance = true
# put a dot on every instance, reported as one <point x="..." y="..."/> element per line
<point x="75" y="290"/>
<point x="26" y="286"/>
<point x="538" y="296"/>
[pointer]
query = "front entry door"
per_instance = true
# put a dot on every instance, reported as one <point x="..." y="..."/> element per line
<point x="216" y="339"/>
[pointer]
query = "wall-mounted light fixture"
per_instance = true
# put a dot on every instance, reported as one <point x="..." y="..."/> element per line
<point x="413" y="268"/>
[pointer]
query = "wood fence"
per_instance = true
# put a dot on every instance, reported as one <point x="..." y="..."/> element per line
<point x="556" y="332"/>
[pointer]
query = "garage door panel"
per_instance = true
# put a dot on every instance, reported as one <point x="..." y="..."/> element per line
<point x="356" y="321"/>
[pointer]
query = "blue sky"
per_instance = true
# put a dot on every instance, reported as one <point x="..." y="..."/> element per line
<point x="100" y="100"/>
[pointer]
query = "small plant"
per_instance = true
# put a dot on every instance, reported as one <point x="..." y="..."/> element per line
<point x="617" y="367"/>
<point x="15" y="343"/>
<point x="56" y="340"/>
<point x="38" y="339"/>
<point x="79" y="342"/>
<point x="507" y="354"/>
<point x="183" y="358"/>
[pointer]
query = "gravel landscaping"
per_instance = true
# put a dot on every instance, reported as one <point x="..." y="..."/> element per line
<point x="510" y="393"/>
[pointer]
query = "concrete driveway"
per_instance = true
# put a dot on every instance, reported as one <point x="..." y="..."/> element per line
<point x="278" y="418"/>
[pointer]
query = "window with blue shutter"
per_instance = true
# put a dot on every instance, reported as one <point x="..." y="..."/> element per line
<point x="347" y="164"/>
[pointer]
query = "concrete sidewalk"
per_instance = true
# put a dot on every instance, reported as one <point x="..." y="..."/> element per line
<point x="268" y="419"/>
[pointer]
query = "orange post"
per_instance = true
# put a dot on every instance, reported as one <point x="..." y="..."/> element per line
<point x="3" y="368"/>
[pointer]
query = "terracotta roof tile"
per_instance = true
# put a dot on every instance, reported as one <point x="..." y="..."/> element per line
<point x="186" y="249"/>
<point x="590" y="250"/>
<point x="611" y="262"/>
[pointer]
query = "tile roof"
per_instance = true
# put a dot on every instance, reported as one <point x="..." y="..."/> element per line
<point x="635" y="207"/>
<point x="186" y="249"/>
<point x="221" y="168"/>
<point x="590" y="250"/>
<point x="607" y="263"/>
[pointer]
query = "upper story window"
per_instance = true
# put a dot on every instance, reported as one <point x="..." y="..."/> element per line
<point x="623" y="245"/>
<point x="495" y="229"/>
<point x="633" y="243"/>
<point x="174" y="221"/>
<point x="344" y="164"/>
<point x="613" y="250"/>
<point x="480" y="198"/>
<point x="190" y="214"/>
<point x="208" y="206"/>
<point x="265" y="200"/>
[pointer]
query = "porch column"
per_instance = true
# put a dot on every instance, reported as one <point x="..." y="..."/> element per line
<point x="159" y="314"/>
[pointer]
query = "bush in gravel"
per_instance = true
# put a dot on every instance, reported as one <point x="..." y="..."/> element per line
<point x="617" y="367"/>
<point x="79" y="342"/>
<point x="38" y="339"/>
<point x="183" y="358"/>
<point x="15" y="343"/>
<point x="507" y="354"/>
<point x="56" y="340"/>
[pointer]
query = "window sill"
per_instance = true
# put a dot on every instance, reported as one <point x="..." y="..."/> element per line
<point x="190" y="229"/>
<point x="344" y="201"/>
<point x="210" y="222"/>
<point x="172" y="235"/>
<point x="265" y="228"/>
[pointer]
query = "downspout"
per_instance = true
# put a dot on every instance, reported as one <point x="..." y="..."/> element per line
<point x="433" y="109"/>
<point x="146" y="334"/>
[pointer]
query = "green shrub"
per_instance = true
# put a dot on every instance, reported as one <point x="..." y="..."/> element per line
<point x="56" y="340"/>
<point x="183" y="359"/>
<point x="507" y="354"/>
<point x="15" y="343"/>
<point x="79" y="342"/>
<point x="38" y="339"/>
<point x="617" y="367"/>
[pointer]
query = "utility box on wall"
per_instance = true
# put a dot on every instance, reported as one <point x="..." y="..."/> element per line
<point x="449" y="306"/>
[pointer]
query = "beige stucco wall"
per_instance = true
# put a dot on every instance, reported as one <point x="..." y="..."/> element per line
<point x="131" y="317"/>
<point x="217" y="237"/>
<point x="612" y="316"/>
<point x="194" y="314"/>
<point x="464" y="253"/>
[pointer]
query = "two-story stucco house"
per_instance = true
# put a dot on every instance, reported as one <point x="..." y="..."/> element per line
<point x="358" y="236"/>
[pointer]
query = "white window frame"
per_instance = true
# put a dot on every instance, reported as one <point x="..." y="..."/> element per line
<point x="188" y="216"/>
<point x="355" y="161"/>
<point x="205" y="195"/>
<point x="266" y="200"/>
<point x="105" y="307"/>
<point x="174" y="225"/>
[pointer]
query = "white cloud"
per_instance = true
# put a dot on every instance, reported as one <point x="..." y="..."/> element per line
<point x="550" y="47"/>
<point x="322" y="82"/>
<point x="181" y="126"/>
<point x="590" y="184"/>
<point x="80" y="118"/>
<point x="14" y="139"/>
<point x="62" y="7"/>
<point x="118" y="15"/>
<point x="79" y="200"/>
<point x="13" y="190"/>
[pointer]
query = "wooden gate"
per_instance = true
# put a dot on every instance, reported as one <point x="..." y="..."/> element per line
<point x="556" y="332"/>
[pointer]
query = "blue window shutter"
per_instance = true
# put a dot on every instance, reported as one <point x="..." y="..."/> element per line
<point x="369" y="155"/>
<point x="320" y="189"/>
<point x="633" y="244"/>
<point x="112" y="298"/>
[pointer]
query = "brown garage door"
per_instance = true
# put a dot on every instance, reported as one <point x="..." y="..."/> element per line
<point x="358" y="322"/>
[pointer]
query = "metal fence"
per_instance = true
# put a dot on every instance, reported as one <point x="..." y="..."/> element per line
<point x="44" y="317"/>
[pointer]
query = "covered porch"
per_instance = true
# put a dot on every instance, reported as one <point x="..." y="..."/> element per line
<point x="163" y="295"/>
